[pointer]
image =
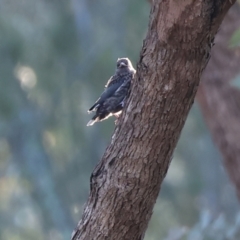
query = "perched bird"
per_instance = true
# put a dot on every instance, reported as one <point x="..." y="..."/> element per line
<point x="111" y="101"/>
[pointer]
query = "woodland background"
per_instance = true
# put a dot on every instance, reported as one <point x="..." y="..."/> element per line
<point x="55" y="58"/>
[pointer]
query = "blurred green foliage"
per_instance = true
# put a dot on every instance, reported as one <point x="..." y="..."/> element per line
<point x="55" y="57"/>
<point x="235" y="39"/>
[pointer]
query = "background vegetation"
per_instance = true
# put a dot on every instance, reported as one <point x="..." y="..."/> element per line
<point x="55" y="58"/>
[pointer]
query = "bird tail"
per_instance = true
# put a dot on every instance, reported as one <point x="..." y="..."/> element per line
<point x="92" y="121"/>
<point x="93" y="108"/>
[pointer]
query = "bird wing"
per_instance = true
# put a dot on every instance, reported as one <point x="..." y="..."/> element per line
<point x="113" y="103"/>
<point x="112" y="85"/>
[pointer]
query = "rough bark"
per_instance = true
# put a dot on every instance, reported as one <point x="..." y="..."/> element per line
<point x="220" y="101"/>
<point x="127" y="180"/>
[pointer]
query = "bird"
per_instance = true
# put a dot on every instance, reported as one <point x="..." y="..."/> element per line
<point x="112" y="100"/>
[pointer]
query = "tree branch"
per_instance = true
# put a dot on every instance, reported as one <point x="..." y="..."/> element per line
<point x="127" y="180"/>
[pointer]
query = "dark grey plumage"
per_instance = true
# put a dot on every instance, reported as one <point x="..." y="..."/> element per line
<point x="111" y="101"/>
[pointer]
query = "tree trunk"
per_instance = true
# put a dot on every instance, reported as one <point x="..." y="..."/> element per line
<point x="127" y="180"/>
<point x="220" y="101"/>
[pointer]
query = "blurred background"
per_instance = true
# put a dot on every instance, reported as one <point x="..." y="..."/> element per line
<point x="55" y="58"/>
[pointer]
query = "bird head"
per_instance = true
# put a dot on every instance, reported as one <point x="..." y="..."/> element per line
<point x="123" y="63"/>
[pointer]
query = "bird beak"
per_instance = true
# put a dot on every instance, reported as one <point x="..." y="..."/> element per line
<point x="123" y="64"/>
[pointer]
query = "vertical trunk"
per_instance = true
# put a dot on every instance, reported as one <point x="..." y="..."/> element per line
<point x="127" y="180"/>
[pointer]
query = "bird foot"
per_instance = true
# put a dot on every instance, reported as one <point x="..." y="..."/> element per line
<point x="117" y="117"/>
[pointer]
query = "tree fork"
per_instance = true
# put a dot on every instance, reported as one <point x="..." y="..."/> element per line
<point x="126" y="182"/>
